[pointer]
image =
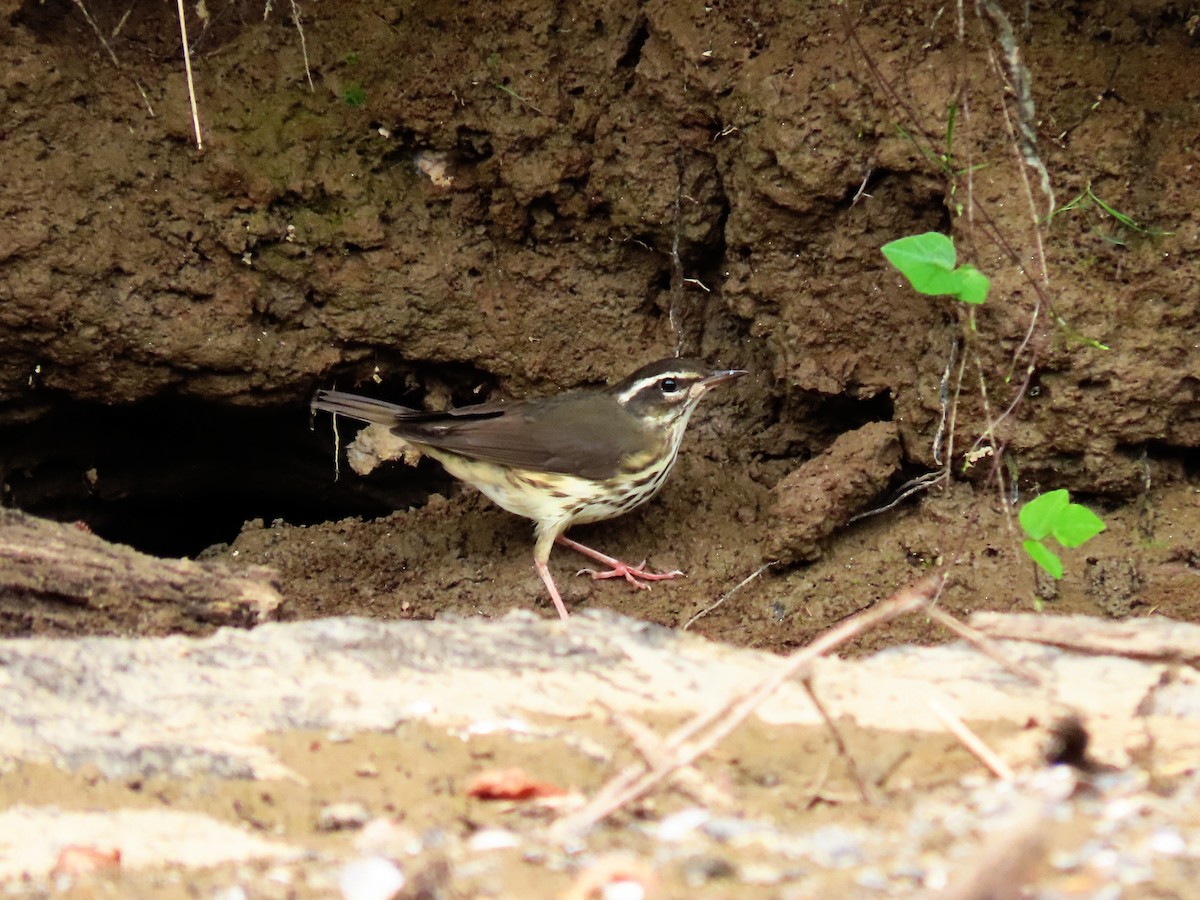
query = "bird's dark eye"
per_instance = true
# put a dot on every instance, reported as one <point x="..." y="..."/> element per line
<point x="668" y="385"/>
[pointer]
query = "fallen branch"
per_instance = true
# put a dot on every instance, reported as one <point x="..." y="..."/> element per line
<point x="57" y="578"/>
<point x="1146" y="639"/>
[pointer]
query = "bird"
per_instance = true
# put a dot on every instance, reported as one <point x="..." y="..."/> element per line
<point x="570" y="459"/>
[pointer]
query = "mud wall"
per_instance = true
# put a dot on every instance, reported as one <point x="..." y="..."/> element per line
<point x="474" y="197"/>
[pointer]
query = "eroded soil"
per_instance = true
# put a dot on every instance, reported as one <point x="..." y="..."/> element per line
<point x="1143" y="564"/>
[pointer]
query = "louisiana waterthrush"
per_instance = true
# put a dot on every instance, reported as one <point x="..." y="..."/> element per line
<point x="579" y="457"/>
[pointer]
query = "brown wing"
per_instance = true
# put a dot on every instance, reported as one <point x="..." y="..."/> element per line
<point x="584" y="434"/>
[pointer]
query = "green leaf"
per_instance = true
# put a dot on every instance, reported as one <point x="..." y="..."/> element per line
<point x="974" y="287"/>
<point x="921" y="258"/>
<point x="1044" y="558"/>
<point x="932" y="247"/>
<point x="1038" y="516"/>
<point x="1076" y="525"/>
<point x="927" y="261"/>
<point x="937" y="282"/>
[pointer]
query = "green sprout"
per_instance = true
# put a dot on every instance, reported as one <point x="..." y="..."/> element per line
<point x="1053" y="514"/>
<point x="1087" y="198"/>
<point x="354" y="96"/>
<point x="945" y="160"/>
<point x="928" y="262"/>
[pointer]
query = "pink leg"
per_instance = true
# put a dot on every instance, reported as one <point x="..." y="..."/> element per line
<point x="635" y="575"/>
<point x="548" y="580"/>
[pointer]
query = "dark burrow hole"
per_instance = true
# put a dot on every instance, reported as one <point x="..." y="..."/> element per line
<point x="174" y="477"/>
<point x="834" y="415"/>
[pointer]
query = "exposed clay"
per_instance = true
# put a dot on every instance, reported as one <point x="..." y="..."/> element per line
<point x="819" y="498"/>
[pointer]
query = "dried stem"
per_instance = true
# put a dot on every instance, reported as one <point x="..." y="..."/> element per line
<point x="984" y="644"/>
<point x="839" y="742"/>
<point x="303" y="43"/>
<point x="705" y="731"/>
<point x="111" y="53"/>
<point x="187" y="65"/>
<point x="733" y="590"/>
<point x="972" y="742"/>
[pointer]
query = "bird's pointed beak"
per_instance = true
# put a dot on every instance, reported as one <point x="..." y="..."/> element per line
<point x="720" y="376"/>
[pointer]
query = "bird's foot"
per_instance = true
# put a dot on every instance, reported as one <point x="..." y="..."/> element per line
<point x="635" y="575"/>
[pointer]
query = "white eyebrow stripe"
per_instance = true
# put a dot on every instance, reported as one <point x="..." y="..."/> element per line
<point x="637" y="387"/>
<point x="686" y="379"/>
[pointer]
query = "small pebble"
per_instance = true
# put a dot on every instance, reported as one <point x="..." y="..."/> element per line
<point x="371" y="878"/>
<point x="699" y="870"/>
<point x="494" y="839"/>
<point x="872" y="880"/>
<point x="623" y="890"/>
<point x="677" y="826"/>
<point x="339" y="816"/>
<point x="727" y="828"/>
<point x="761" y="873"/>
<point x="387" y="837"/>
<point x="1168" y="842"/>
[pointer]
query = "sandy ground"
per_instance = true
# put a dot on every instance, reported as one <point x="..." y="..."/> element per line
<point x="310" y="758"/>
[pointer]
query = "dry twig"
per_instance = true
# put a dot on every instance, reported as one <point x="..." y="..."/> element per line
<point x="303" y="44"/>
<point x="654" y="751"/>
<point x="1165" y="640"/>
<point x="972" y="742"/>
<point x="733" y="590"/>
<point x="187" y="65"/>
<point x="111" y="53"/>
<point x="983" y="644"/>
<point x="839" y="742"/>
<point x="705" y="731"/>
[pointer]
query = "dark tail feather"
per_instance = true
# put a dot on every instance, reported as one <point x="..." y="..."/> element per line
<point x="365" y="409"/>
